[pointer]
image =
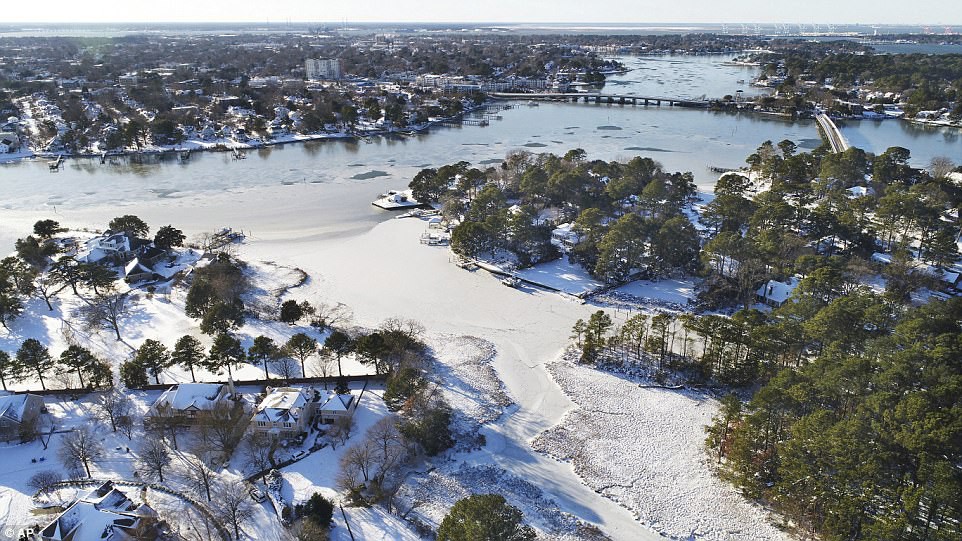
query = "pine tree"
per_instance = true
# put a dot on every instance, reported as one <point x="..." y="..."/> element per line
<point x="154" y="357"/>
<point x="484" y="517"/>
<point x="34" y="357"/>
<point x="188" y="353"/>
<point x="79" y="359"/>
<point x="263" y="350"/>
<point x="226" y="352"/>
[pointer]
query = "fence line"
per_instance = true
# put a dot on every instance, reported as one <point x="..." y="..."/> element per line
<point x="366" y="378"/>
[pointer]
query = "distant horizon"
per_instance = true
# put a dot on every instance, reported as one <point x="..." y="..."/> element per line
<point x="563" y="24"/>
<point x="493" y="12"/>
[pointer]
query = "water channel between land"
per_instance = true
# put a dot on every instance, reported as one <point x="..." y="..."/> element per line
<point x="303" y="198"/>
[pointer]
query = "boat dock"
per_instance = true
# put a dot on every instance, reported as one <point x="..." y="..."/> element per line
<point x="396" y="200"/>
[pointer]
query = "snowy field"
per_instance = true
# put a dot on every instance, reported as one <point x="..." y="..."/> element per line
<point x="641" y="447"/>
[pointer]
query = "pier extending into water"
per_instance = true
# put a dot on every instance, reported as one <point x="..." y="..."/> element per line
<point x="598" y="97"/>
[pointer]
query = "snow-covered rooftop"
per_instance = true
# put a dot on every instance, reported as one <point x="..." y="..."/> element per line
<point x="778" y="292"/>
<point x="102" y="513"/>
<point x="12" y="406"/>
<point x="337" y="402"/>
<point x="281" y="405"/>
<point x="192" y="396"/>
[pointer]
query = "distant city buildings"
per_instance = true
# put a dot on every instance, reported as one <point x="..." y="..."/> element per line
<point x="322" y="68"/>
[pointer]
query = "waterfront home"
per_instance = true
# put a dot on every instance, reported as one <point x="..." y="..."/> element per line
<point x="104" y="514"/>
<point x="112" y="248"/>
<point x="564" y="237"/>
<point x="135" y="271"/>
<point x="189" y="403"/>
<point x="19" y="416"/>
<point x="9" y="142"/>
<point x="286" y="412"/>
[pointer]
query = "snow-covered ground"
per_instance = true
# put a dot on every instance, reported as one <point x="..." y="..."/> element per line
<point x="562" y="275"/>
<point x="383" y="271"/>
<point x="640" y="447"/>
<point x="668" y="290"/>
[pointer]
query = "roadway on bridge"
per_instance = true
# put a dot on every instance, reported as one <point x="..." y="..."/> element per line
<point x="834" y="135"/>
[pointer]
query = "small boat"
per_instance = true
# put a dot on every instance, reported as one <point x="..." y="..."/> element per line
<point x="511" y="281"/>
<point x="533" y="103"/>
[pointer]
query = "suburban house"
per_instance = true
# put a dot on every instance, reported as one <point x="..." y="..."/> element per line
<point x="19" y="416"/>
<point x="115" y="248"/>
<point x="564" y="237"/>
<point x="104" y="514"/>
<point x="9" y="142"/>
<point x="286" y="411"/>
<point x="189" y="403"/>
<point x="774" y="293"/>
<point x="135" y="271"/>
<point x="336" y="406"/>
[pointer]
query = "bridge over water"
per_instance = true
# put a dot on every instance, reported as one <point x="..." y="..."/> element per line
<point x="597" y="97"/>
<point x="832" y="133"/>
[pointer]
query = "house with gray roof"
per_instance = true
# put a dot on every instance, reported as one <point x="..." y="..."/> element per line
<point x="189" y="403"/>
<point x="286" y="411"/>
<point x="104" y="514"/>
<point x="19" y="416"/>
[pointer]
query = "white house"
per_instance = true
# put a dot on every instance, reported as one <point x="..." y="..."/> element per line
<point x="189" y="402"/>
<point x="104" y="514"/>
<point x="564" y="237"/>
<point x="774" y="293"/>
<point x="9" y="142"/>
<point x="110" y="246"/>
<point x="286" y="411"/>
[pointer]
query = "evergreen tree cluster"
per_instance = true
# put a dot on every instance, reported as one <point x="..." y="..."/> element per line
<point x="865" y="441"/>
<point x="628" y="215"/>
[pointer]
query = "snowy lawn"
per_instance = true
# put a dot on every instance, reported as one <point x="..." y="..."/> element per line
<point x="563" y="275"/>
<point x="644" y="449"/>
<point x="671" y="291"/>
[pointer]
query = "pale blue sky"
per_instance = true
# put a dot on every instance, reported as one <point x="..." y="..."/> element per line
<point x="935" y="12"/>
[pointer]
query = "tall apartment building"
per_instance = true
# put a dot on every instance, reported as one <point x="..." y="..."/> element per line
<point x="322" y="68"/>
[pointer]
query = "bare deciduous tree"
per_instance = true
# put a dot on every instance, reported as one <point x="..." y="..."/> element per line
<point x="44" y="482"/>
<point x="410" y="327"/>
<point x="232" y="503"/>
<point x="286" y="367"/>
<point x="154" y="457"/>
<point x="197" y="474"/>
<point x="323" y="366"/>
<point x="114" y="405"/>
<point x="376" y="461"/>
<point x="105" y="312"/>
<point x="941" y="166"/>
<point x="80" y="449"/>
<point x="356" y="465"/>
<point x="125" y="424"/>
<point x="340" y="430"/>
<point x="221" y="430"/>
<point x="331" y="315"/>
<point x="389" y="449"/>
<point x="192" y="525"/>
<point x="259" y="451"/>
